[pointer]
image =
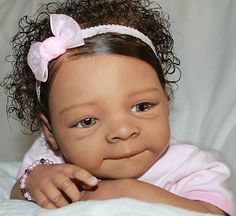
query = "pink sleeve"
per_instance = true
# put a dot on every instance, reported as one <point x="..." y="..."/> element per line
<point x="204" y="179"/>
<point x="37" y="151"/>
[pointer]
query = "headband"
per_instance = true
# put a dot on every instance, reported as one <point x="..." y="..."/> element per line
<point x="68" y="34"/>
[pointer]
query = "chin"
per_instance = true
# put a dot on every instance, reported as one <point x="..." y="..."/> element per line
<point x="121" y="174"/>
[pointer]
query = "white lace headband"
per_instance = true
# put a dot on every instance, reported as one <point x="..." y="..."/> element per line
<point x="68" y="34"/>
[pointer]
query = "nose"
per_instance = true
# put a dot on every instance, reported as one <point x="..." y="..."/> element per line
<point x="122" y="129"/>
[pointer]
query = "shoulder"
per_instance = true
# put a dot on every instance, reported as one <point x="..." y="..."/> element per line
<point x="181" y="160"/>
<point x="194" y="157"/>
<point x="200" y="176"/>
<point x="181" y="153"/>
<point x="37" y="151"/>
<point x="176" y="146"/>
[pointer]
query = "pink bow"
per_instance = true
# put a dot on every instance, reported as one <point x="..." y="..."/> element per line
<point x="67" y="34"/>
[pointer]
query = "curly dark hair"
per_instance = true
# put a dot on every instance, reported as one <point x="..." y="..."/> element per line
<point x="142" y="15"/>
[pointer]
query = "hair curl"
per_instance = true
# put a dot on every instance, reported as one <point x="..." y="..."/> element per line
<point x="19" y="85"/>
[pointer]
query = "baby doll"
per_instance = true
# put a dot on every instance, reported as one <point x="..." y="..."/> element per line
<point x="95" y="76"/>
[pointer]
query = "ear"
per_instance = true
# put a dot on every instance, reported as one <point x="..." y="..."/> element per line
<point x="47" y="130"/>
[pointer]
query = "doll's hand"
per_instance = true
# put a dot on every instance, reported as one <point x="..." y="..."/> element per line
<point x="53" y="186"/>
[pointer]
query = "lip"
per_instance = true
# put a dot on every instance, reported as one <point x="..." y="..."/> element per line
<point x="127" y="155"/>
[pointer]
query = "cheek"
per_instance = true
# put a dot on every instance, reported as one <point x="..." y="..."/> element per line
<point x="86" y="152"/>
<point x="158" y="134"/>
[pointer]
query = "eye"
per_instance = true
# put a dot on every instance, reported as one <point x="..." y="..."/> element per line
<point x="142" y="107"/>
<point x="86" y="123"/>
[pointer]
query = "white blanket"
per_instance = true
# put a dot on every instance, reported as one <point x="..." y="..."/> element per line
<point x="114" y="207"/>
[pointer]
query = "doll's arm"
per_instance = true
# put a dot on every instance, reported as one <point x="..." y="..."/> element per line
<point x="136" y="189"/>
<point x="15" y="191"/>
<point x="56" y="185"/>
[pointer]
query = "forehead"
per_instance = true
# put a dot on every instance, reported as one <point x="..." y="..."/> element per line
<point x="91" y="76"/>
<point x="102" y="62"/>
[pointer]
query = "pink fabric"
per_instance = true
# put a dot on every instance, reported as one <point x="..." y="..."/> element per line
<point x="37" y="151"/>
<point x="184" y="170"/>
<point x="67" y="34"/>
<point x="192" y="173"/>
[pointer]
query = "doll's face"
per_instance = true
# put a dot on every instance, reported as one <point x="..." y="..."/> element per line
<point x="109" y="115"/>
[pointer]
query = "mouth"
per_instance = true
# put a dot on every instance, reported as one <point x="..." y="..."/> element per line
<point x="127" y="155"/>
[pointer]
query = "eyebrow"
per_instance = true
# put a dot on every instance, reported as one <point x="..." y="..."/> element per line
<point x="142" y="91"/>
<point x="73" y="106"/>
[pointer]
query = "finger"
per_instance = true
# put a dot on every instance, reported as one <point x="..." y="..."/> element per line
<point x="80" y="174"/>
<point x="43" y="201"/>
<point x="67" y="186"/>
<point x="83" y="195"/>
<point x="55" y="196"/>
<point x="51" y="206"/>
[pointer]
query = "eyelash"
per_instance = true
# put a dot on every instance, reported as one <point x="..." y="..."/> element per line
<point x="90" y="121"/>
<point x="86" y="122"/>
<point x="146" y="106"/>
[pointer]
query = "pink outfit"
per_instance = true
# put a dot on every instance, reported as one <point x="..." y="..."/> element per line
<point x="184" y="170"/>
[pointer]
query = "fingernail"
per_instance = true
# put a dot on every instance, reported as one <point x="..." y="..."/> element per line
<point x="93" y="180"/>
